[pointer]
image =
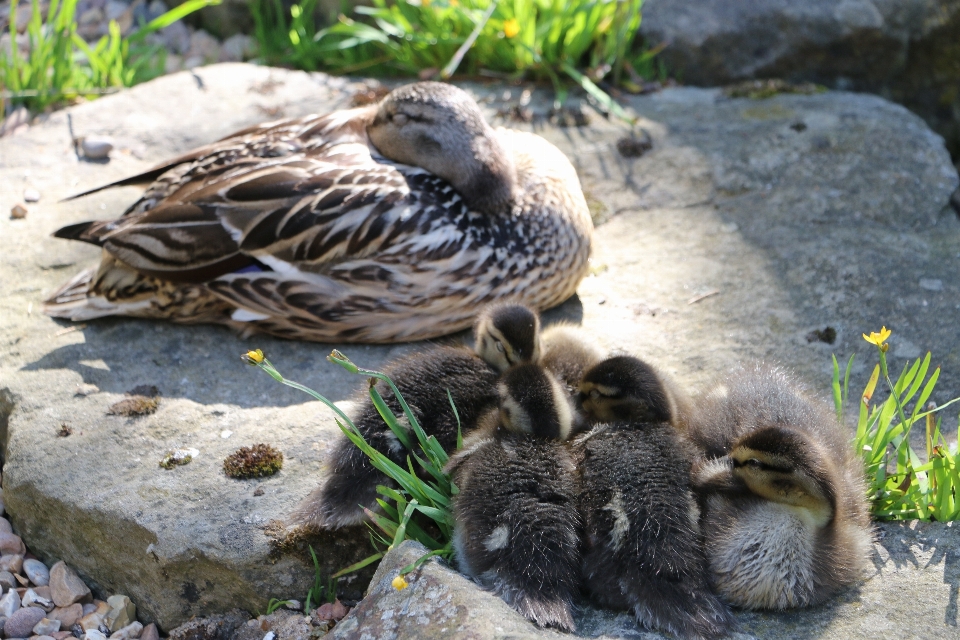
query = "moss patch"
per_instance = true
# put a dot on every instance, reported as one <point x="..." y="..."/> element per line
<point x="253" y="462"/>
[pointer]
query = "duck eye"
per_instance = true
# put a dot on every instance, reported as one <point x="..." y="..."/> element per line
<point x="753" y="463"/>
<point x="399" y="119"/>
<point x="500" y="347"/>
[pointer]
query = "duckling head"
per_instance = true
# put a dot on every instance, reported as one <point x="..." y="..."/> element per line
<point x="533" y="402"/>
<point x="440" y="128"/>
<point x="624" y="388"/>
<point x="785" y="466"/>
<point x="507" y="334"/>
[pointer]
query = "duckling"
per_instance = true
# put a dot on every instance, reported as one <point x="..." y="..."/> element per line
<point x="626" y="388"/>
<point x="568" y="351"/>
<point x="641" y="522"/>
<point x="785" y="516"/>
<point x="517" y="530"/>
<point x="423" y="379"/>
<point x="387" y="223"/>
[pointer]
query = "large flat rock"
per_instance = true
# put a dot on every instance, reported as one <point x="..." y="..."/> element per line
<point x="794" y="213"/>
<point x="905" y="50"/>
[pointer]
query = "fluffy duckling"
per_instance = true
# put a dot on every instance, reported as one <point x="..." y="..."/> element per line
<point x="517" y="530"/>
<point x="568" y="351"/>
<point x="641" y="522"/>
<point x="785" y="516"/>
<point x="504" y="334"/>
<point x="387" y="223"/>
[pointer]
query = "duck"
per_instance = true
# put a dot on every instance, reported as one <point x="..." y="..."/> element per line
<point x="516" y="525"/>
<point x="784" y="510"/>
<point x="423" y="379"/>
<point x="642" y="549"/>
<point x="387" y="223"/>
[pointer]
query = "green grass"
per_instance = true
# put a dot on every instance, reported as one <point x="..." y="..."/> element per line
<point x="587" y="41"/>
<point x="419" y="509"/>
<point x="903" y="485"/>
<point x="60" y="66"/>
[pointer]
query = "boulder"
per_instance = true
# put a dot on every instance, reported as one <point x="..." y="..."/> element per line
<point x="912" y="558"/>
<point x="748" y="226"/>
<point x="905" y="50"/>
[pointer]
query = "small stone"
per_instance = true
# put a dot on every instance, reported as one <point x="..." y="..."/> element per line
<point x="156" y="9"/>
<point x="204" y="46"/>
<point x="330" y="611"/>
<point x="18" y="212"/>
<point x="128" y="632"/>
<point x="13" y="563"/>
<point x="46" y="626"/>
<point x="7" y="581"/>
<point x="11" y="544"/>
<point x="9" y="603"/>
<point x="93" y="634"/>
<point x="96" y="147"/>
<point x="62" y="635"/>
<point x="22" y="622"/>
<point x="37" y="572"/>
<point x="237" y="48"/>
<point x="31" y="195"/>
<point x="5" y="526"/>
<point x="931" y="284"/>
<point x="150" y="632"/>
<point x="91" y="621"/>
<point x="44" y="592"/>
<point x="67" y="616"/>
<point x="65" y="585"/>
<point x="90" y="607"/>
<point x="115" y="9"/>
<point x="122" y="612"/>
<point x="32" y="599"/>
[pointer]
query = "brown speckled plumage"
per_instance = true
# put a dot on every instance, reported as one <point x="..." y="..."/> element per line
<point x="302" y="229"/>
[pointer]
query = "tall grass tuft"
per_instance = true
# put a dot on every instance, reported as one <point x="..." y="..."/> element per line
<point x="584" y="40"/>
<point x="902" y="484"/>
<point x="60" y="66"/>
<point x="421" y="508"/>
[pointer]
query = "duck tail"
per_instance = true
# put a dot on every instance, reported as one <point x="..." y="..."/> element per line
<point x="80" y="298"/>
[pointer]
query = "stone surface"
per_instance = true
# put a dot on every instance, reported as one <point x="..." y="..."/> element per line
<point x="66" y="586"/>
<point x="218" y="627"/>
<point x="919" y="559"/>
<point x="67" y="616"/>
<point x="747" y="225"/>
<point x="122" y="612"/>
<point x="906" y="50"/>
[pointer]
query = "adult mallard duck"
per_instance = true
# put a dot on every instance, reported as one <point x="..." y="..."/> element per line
<point x="386" y="223"/>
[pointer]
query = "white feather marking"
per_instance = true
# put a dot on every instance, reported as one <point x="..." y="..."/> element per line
<point x="243" y="315"/>
<point x="621" y="521"/>
<point x="498" y="539"/>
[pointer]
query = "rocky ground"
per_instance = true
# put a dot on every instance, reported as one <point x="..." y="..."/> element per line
<point x="746" y="230"/>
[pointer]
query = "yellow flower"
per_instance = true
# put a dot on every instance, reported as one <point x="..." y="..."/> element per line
<point x="879" y="338"/>
<point x="511" y="27"/>
<point x="399" y="583"/>
<point x="253" y="357"/>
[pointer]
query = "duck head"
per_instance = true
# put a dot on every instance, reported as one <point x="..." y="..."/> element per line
<point x="507" y="334"/>
<point x="533" y="402"/>
<point x="440" y="128"/>
<point x="624" y="388"/>
<point x="784" y="465"/>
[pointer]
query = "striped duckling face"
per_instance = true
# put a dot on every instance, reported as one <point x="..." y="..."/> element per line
<point x="624" y="388"/>
<point x="506" y="335"/>
<point x="783" y="465"/>
<point x="533" y="402"/>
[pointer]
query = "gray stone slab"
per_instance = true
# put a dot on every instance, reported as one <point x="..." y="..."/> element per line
<point x="794" y="228"/>
<point x="905" y="50"/>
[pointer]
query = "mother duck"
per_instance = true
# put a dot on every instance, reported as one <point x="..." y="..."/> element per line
<point x="385" y="223"/>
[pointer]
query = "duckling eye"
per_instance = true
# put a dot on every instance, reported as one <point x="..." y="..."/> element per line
<point x="753" y="463"/>
<point x="500" y="347"/>
<point x="594" y="394"/>
<point x="399" y="119"/>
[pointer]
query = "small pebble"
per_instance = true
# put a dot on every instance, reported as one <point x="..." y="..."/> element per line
<point x="32" y="599"/>
<point x="9" y="603"/>
<point x="5" y="526"/>
<point x="67" y="616"/>
<point x="96" y="147"/>
<point x="11" y="544"/>
<point x="89" y="608"/>
<point x="150" y="632"/>
<point x="37" y="572"/>
<point x="13" y="563"/>
<point x="18" y="212"/>
<point x="65" y="586"/>
<point x="122" y="612"/>
<point x="93" y="634"/>
<point x="91" y="621"/>
<point x="129" y="632"/>
<point x="31" y="195"/>
<point x="46" y="626"/>
<point x="931" y="284"/>
<point x="7" y="581"/>
<point x="22" y="622"/>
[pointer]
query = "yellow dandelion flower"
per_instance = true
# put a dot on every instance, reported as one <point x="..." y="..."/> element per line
<point x="878" y="338"/>
<point x="511" y="27"/>
<point x="399" y="583"/>
<point x="253" y="357"/>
